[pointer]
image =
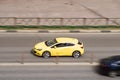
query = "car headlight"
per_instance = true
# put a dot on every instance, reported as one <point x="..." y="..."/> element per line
<point x="39" y="49"/>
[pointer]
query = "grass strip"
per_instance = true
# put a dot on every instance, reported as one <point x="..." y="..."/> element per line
<point x="59" y="27"/>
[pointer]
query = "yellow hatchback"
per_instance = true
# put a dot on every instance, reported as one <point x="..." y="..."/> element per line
<point x="62" y="46"/>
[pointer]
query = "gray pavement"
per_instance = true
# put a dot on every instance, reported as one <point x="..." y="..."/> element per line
<point x="51" y="73"/>
<point x="60" y="8"/>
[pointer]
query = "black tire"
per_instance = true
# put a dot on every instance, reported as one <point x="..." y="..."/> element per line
<point x="76" y="54"/>
<point x="46" y="54"/>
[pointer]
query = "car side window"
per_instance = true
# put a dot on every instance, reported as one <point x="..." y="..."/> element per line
<point x="60" y="45"/>
<point x="64" y="45"/>
<point x="118" y="63"/>
<point x="69" y="44"/>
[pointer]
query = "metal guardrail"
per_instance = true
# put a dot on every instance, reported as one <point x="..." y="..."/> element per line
<point x="13" y="21"/>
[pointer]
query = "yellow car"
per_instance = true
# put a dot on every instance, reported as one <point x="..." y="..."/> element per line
<point x="62" y="46"/>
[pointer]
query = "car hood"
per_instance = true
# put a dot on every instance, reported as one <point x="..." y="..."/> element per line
<point x="106" y="61"/>
<point x="40" y="45"/>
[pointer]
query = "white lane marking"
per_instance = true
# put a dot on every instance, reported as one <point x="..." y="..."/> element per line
<point x="47" y="64"/>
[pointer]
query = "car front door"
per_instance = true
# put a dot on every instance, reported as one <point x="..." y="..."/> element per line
<point x="57" y="50"/>
<point x="64" y="49"/>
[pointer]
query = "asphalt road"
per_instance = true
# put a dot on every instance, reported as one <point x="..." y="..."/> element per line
<point x="51" y="73"/>
<point x="15" y="47"/>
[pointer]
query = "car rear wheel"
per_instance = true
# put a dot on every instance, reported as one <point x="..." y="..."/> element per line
<point x="112" y="74"/>
<point x="46" y="54"/>
<point x="76" y="54"/>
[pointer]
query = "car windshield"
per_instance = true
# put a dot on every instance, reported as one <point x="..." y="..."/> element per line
<point x="51" y="42"/>
<point x="113" y="58"/>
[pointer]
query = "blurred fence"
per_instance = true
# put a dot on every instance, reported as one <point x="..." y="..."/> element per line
<point x="13" y="21"/>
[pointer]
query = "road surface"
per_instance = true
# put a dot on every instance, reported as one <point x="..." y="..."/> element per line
<point x="51" y="73"/>
<point x="15" y="47"/>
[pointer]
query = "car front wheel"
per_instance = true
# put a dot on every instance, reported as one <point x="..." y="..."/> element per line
<point x="76" y="54"/>
<point x="46" y="54"/>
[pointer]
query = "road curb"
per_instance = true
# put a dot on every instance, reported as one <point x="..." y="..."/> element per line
<point x="105" y="31"/>
<point x="60" y="31"/>
<point x="49" y="64"/>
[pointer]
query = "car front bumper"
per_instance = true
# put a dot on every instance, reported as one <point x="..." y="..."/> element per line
<point x="36" y="52"/>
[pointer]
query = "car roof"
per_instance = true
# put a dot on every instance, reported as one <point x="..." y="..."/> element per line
<point x="66" y="40"/>
<point x="116" y="57"/>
